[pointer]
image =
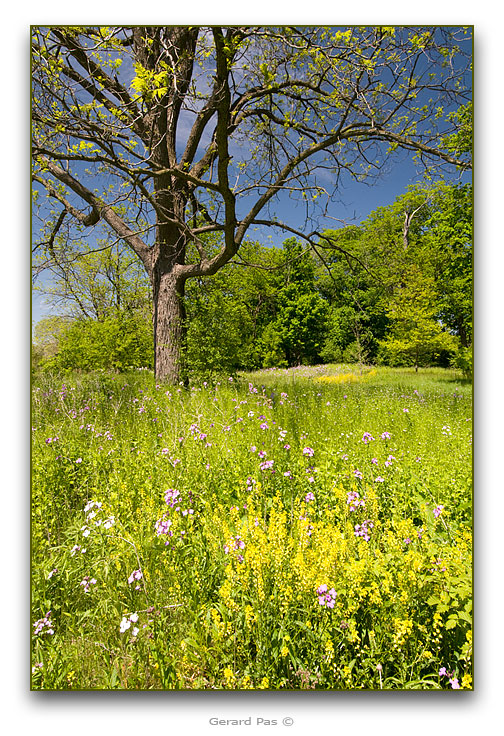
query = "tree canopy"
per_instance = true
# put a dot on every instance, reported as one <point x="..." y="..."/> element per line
<point x="169" y="133"/>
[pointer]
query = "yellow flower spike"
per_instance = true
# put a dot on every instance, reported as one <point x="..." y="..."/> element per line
<point x="466" y="681"/>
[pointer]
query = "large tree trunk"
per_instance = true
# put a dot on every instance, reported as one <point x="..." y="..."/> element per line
<point x="169" y="328"/>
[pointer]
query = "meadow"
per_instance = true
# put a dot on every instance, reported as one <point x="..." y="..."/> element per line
<point x="307" y="528"/>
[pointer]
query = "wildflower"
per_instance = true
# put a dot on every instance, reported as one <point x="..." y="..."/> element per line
<point x="388" y="461"/>
<point x="288" y="474"/>
<point x="124" y="625"/>
<point x="264" y="425"/>
<point x="442" y="672"/>
<point x="135" y="575"/>
<point x="261" y="454"/>
<point x="36" y="667"/>
<point x="308" y="451"/>
<point x="53" y="572"/>
<point x="374" y="460"/>
<point x="358" y="474"/>
<point x="354" y="500"/>
<point x="379" y="479"/>
<point x="438" y="510"/>
<point x="286" y="447"/>
<point x="44" y="625"/>
<point x="466" y="680"/>
<point x="162" y="526"/>
<point x="77" y="548"/>
<point x="266" y="465"/>
<point x="363" y="530"/>
<point x="454" y="683"/>
<point x="326" y="597"/>
<point x="87" y="582"/>
<point x="310" y="497"/>
<point x="253" y="448"/>
<point x="367" y="438"/>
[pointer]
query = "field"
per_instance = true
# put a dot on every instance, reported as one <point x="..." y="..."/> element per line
<point x="291" y="529"/>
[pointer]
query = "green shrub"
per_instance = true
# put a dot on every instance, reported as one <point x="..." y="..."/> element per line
<point x="115" y="344"/>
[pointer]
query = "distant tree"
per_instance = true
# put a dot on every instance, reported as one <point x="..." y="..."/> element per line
<point x="201" y="130"/>
<point x="416" y="336"/>
<point x="299" y="328"/>
<point x="92" y="284"/>
<point x="47" y="334"/>
<point x="115" y="343"/>
<point x="449" y="238"/>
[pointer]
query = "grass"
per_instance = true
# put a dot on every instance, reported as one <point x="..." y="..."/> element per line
<point x="289" y="529"/>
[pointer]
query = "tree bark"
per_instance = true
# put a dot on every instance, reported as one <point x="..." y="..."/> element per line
<point x="169" y="327"/>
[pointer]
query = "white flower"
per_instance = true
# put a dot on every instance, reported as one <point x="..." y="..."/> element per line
<point x="125" y="624"/>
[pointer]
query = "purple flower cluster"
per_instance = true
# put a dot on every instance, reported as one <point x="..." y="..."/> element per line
<point x="236" y="544"/>
<point x="171" y="496"/>
<point x="367" y="437"/>
<point x="266" y="465"/>
<point x="438" y="510"/>
<point x="452" y="680"/>
<point x="87" y="582"/>
<point x="135" y="575"/>
<point x="354" y="500"/>
<point x="326" y="597"/>
<point x="162" y="526"/>
<point x="310" y="497"/>
<point x="364" y="530"/>
<point x="43" y="625"/>
<point x="308" y="451"/>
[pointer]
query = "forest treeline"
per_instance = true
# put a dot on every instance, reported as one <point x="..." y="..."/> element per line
<point x="395" y="290"/>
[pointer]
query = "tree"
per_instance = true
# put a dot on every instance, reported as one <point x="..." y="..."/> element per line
<point x="449" y="239"/>
<point x="116" y="343"/>
<point x="97" y="284"/>
<point x="415" y="334"/>
<point x="168" y="133"/>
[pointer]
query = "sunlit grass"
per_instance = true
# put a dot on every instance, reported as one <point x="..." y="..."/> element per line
<point x="189" y="538"/>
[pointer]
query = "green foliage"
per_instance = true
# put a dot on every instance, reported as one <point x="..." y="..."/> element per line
<point x="449" y="240"/>
<point x="116" y="344"/>
<point x="463" y="360"/>
<point x="416" y="336"/>
<point x="300" y="324"/>
<point x="217" y="336"/>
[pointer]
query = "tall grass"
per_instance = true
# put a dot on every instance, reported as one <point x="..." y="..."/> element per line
<point x="292" y="529"/>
